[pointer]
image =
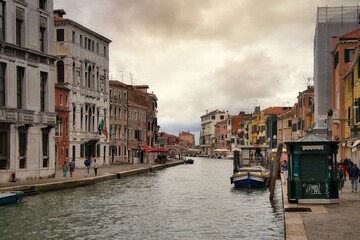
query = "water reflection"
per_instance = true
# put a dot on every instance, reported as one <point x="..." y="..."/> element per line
<point x="183" y="202"/>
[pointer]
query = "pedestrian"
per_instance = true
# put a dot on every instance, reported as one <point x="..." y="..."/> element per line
<point x="65" y="168"/>
<point x="72" y="167"/>
<point x="354" y="175"/>
<point x="340" y="176"/>
<point x="346" y="166"/>
<point x="96" y="165"/>
<point x="87" y="164"/>
<point x="286" y="170"/>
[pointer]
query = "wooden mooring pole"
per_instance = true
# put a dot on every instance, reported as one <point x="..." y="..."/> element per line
<point x="275" y="170"/>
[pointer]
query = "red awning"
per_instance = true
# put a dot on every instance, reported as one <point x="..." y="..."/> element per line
<point x="160" y="150"/>
<point x="146" y="148"/>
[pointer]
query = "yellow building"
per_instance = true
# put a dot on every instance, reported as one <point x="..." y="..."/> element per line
<point x="352" y="109"/>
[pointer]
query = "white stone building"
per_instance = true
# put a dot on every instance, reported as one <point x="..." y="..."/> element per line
<point x="84" y="67"/>
<point x="207" y="133"/>
<point x="27" y="115"/>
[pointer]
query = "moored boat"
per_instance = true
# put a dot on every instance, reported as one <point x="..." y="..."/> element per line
<point x="251" y="177"/>
<point x="10" y="197"/>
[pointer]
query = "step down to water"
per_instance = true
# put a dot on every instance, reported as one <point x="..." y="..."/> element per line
<point x="28" y="191"/>
<point x="298" y="209"/>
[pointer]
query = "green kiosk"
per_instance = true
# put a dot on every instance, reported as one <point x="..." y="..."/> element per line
<point x="312" y="170"/>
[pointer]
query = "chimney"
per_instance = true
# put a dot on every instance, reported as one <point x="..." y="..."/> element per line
<point x="59" y="13"/>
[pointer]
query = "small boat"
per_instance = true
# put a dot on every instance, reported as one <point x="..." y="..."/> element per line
<point x="251" y="177"/>
<point x="189" y="161"/>
<point x="10" y="197"/>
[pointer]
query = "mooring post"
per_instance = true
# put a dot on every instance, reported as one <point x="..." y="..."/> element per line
<point x="275" y="170"/>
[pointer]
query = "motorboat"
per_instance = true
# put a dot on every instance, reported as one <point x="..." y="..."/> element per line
<point x="251" y="177"/>
<point x="10" y="197"/>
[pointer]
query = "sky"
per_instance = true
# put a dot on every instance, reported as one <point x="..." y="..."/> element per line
<point x="203" y="55"/>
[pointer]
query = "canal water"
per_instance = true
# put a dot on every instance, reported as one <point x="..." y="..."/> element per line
<point x="182" y="202"/>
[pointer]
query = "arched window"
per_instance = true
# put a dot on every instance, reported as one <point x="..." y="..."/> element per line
<point x="74" y="72"/>
<point x="60" y="71"/>
<point x="89" y="77"/>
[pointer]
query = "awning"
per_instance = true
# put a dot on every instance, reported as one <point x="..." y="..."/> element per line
<point x="357" y="142"/>
<point x="221" y="150"/>
<point x="146" y="148"/>
<point x="160" y="150"/>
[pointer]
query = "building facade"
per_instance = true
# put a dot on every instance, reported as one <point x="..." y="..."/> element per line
<point x="187" y="139"/>
<point x="62" y="124"/>
<point x="118" y="121"/>
<point x="84" y="64"/>
<point x="331" y="21"/>
<point x="27" y="108"/>
<point x="343" y="56"/>
<point x="207" y="133"/>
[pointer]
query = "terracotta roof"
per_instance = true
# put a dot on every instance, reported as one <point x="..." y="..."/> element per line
<point x="275" y="110"/>
<point x="351" y="35"/>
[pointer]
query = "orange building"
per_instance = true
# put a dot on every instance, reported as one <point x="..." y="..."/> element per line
<point x="187" y="139"/>
<point x="62" y="123"/>
<point x="342" y="57"/>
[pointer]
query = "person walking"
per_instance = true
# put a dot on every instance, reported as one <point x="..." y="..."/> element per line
<point x="354" y="175"/>
<point x="96" y="165"/>
<point x="65" y="168"/>
<point x="340" y="176"/>
<point x="87" y="164"/>
<point x="286" y="170"/>
<point x="72" y="167"/>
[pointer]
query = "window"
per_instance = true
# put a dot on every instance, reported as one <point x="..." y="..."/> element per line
<point x="82" y="150"/>
<point x="73" y="37"/>
<point x="22" y="147"/>
<point x="4" y="146"/>
<point x="81" y="40"/>
<point x="336" y="60"/>
<point x="66" y="100"/>
<point x="105" y="51"/>
<point x="98" y="150"/>
<point x="349" y="54"/>
<point x="60" y="99"/>
<point x="66" y="127"/>
<point x="45" y="148"/>
<point x="20" y="72"/>
<point x="2" y="84"/>
<point x="58" y="126"/>
<point x="43" y="80"/>
<point x="73" y="152"/>
<point x="19" y="27"/>
<point x="42" y="4"/>
<point x="42" y="39"/>
<point x="67" y="152"/>
<point x="42" y="34"/>
<point x="60" y="71"/>
<point x="60" y="35"/>
<point x="2" y="21"/>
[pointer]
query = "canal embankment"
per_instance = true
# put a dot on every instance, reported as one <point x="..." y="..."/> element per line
<point x="79" y="178"/>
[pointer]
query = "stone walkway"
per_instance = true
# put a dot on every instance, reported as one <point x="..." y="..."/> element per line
<point x="325" y="221"/>
<point x="80" y="178"/>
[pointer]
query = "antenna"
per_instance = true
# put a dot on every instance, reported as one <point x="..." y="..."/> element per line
<point x="131" y="78"/>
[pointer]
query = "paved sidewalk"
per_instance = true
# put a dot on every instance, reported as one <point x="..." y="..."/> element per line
<point x="325" y="221"/>
<point x="80" y="178"/>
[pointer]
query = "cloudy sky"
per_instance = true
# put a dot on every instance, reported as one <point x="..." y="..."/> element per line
<point x="199" y="55"/>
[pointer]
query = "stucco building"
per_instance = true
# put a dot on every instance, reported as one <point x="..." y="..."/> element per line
<point x="84" y="61"/>
<point x="330" y="21"/>
<point x="27" y="108"/>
